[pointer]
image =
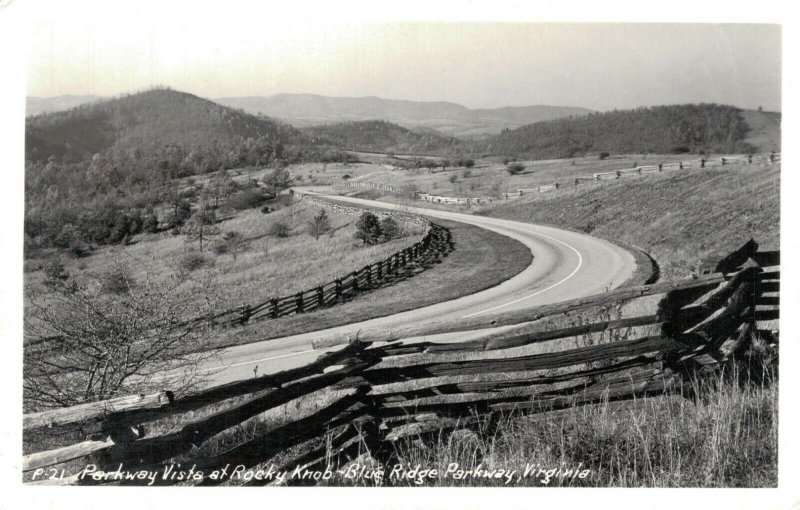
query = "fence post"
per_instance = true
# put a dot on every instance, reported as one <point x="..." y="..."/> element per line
<point x="245" y="313"/>
<point x="680" y="165"/>
<point x="338" y="291"/>
<point x="355" y="282"/>
<point x="274" y="304"/>
<point x="320" y="297"/>
<point x="723" y="161"/>
<point x="772" y="157"/>
<point x="749" y="159"/>
<point x="298" y="301"/>
<point x="618" y="174"/>
<point x="369" y="276"/>
<point x="702" y="163"/>
<point x="379" y="267"/>
<point x="660" y="167"/>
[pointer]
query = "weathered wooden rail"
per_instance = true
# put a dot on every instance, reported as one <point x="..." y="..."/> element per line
<point x="381" y="388"/>
<point x="636" y="171"/>
<point x="435" y="244"/>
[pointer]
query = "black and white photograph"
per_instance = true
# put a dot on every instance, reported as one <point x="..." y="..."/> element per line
<point x="315" y="246"/>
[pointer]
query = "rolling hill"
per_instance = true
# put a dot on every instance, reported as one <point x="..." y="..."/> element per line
<point x="449" y="118"/>
<point x="381" y="136"/>
<point x="662" y="130"/>
<point x="145" y="121"/>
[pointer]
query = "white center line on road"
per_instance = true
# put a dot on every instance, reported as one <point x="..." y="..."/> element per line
<point x="580" y="263"/>
<point x="478" y="223"/>
<point x="256" y="361"/>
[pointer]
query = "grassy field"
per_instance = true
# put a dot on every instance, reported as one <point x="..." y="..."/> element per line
<point x="490" y="260"/>
<point x="676" y="217"/>
<point x="729" y="437"/>
<point x="489" y="176"/>
<point x="261" y="266"/>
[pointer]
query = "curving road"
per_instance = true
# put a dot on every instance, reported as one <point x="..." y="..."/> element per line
<point x="566" y="265"/>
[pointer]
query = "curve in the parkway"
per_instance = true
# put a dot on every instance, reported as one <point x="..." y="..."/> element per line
<point x="565" y="265"/>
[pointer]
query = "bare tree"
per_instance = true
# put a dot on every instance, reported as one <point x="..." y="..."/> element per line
<point x="83" y="343"/>
<point x="319" y="224"/>
<point x="202" y="226"/>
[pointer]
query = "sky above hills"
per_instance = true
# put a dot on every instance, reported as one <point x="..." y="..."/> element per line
<point x="227" y="53"/>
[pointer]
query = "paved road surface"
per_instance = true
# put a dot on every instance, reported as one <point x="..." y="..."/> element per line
<point x="566" y="265"/>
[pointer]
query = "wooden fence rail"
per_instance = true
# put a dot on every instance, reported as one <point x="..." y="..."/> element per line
<point x="386" y="387"/>
<point x="576" y="181"/>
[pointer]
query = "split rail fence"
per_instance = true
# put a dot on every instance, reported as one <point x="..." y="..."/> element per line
<point x="576" y="181"/>
<point x="435" y="244"/>
<point x="389" y="387"/>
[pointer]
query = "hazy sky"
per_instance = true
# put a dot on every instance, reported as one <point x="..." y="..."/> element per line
<point x="600" y="66"/>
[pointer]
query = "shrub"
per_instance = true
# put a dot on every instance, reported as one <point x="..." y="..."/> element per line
<point x="390" y="228"/>
<point x="515" y="168"/>
<point x="319" y="225"/>
<point x="467" y="173"/>
<point x="150" y="224"/>
<point x="55" y="273"/>
<point x="181" y="213"/>
<point x="247" y="199"/>
<point x="279" y="229"/>
<point x="232" y="242"/>
<point x="116" y="281"/>
<point x="368" y="229"/>
<point x="277" y="180"/>
<point x="603" y="155"/>
<point x="453" y="178"/>
<point x="193" y="261"/>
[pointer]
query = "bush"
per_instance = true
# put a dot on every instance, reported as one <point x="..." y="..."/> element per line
<point x="603" y="155"/>
<point x="319" y="225"/>
<point x="247" y="199"/>
<point x="453" y="178"/>
<point x="390" y="228"/>
<point x="368" y="229"/>
<point x="55" y="273"/>
<point x="116" y="281"/>
<point x="150" y="224"/>
<point x="515" y="168"/>
<point x="279" y="229"/>
<point x="193" y="261"/>
<point x="467" y="173"/>
<point x="232" y="242"/>
<point x="181" y="213"/>
<point x="278" y="180"/>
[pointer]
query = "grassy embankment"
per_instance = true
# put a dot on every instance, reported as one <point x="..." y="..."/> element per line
<point x="727" y="438"/>
<point x="262" y="266"/>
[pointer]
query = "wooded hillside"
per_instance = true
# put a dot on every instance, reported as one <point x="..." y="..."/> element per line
<point x="146" y="122"/>
<point x="382" y="136"/>
<point x="689" y="128"/>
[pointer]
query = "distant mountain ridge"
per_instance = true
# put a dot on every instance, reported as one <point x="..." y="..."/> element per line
<point x="38" y="105"/>
<point x="669" y="129"/>
<point x="447" y="117"/>
<point x="148" y="121"/>
<point x="381" y="136"/>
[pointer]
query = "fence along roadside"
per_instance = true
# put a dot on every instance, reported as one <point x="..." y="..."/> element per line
<point x="576" y="181"/>
<point x="697" y="327"/>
